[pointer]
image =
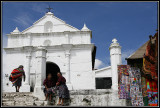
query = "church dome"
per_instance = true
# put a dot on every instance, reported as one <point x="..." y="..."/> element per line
<point x="85" y="28"/>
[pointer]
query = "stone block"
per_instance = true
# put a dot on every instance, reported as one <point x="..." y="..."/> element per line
<point x="73" y="92"/>
<point x="29" y="103"/>
<point x="92" y="92"/>
<point x="20" y="99"/>
<point x="46" y="103"/>
<point x="5" y="99"/>
<point x="83" y="92"/>
<point x="30" y="99"/>
<point x="8" y="103"/>
<point x="20" y="103"/>
<point x="39" y="103"/>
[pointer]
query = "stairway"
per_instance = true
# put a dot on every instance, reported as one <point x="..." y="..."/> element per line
<point x="99" y="97"/>
<point x="21" y="99"/>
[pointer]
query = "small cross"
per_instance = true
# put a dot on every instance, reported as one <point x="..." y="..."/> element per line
<point x="114" y="40"/>
<point x="49" y="9"/>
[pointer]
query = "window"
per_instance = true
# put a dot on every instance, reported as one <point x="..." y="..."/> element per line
<point x="48" y="26"/>
<point x="103" y="83"/>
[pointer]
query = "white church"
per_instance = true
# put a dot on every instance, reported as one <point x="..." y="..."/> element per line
<point x="49" y="46"/>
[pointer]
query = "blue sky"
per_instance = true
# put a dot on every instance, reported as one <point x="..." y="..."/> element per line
<point x="129" y="22"/>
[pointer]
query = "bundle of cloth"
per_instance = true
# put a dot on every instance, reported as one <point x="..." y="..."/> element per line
<point x="150" y="60"/>
<point x="16" y="76"/>
<point x="150" y="71"/>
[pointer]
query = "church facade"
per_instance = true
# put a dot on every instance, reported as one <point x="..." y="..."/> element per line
<point x="50" y="46"/>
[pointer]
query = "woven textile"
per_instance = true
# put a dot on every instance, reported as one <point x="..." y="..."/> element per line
<point x="150" y="59"/>
<point x="135" y="87"/>
<point x="152" y="91"/>
<point x="123" y="82"/>
<point x="144" y="87"/>
<point x="16" y="77"/>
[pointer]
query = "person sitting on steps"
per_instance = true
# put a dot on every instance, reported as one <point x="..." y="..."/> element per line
<point x="48" y="83"/>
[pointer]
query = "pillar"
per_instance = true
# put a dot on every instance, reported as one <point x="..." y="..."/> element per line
<point x="26" y="85"/>
<point x="67" y="48"/>
<point x="40" y="72"/>
<point x="67" y="55"/>
<point x="115" y="57"/>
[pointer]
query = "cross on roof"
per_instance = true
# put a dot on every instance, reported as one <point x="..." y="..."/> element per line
<point x="114" y="40"/>
<point x="49" y="9"/>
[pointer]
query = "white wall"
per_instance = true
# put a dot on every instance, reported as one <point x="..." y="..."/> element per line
<point x="104" y="72"/>
<point x="19" y="40"/>
<point x="13" y="60"/>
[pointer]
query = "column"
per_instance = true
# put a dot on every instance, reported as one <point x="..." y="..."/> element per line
<point x="67" y="54"/>
<point x="26" y="86"/>
<point x="27" y="69"/>
<point x="67" y="48"/>
<point x="115" y="57"/>
<point x="40" y="72"/>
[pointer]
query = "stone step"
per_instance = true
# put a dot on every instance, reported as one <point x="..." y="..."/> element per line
<point x="18" y="99"/>
<point x="77" y="98"/>
<point x="16" y="94"/>
<point x="8" y="103"/>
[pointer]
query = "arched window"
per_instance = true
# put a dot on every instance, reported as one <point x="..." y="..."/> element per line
<point x="47" y="43"/>
<point x="48" y="26"/>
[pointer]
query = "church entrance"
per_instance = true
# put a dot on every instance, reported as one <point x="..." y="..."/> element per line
<point x="53" y="69"/>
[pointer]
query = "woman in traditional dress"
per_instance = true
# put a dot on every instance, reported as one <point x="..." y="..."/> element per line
<point x="63" y="89"/>
<point x="48" y="83"/>
<point x="16" y="77"/>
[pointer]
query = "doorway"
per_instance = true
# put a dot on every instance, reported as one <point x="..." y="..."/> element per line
<point x="53" y="69"/>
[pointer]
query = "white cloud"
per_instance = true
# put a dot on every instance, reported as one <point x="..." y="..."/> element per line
<point x="23" y="19"/>
<point x="126" y="54"/>
<point x="98" y="63"/>
<point x="40" y="8"/>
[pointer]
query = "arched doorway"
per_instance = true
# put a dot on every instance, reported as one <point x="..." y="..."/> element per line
<point x="53" y="69"/>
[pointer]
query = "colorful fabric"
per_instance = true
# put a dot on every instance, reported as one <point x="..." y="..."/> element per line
<point x="152" y="91"/>
<point x="16" y="77"/>
<point x="149" y="68"/>
<point x="63" y="91"/>
<point x="144" y="87"/>
<point x="150" y="59"/>
<point x="123" y="69"/>
<point x="135" y="87"/>
<point x="51" y="91"/>
<point x="123" y="82"/>
<point x="122" y="91"/>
